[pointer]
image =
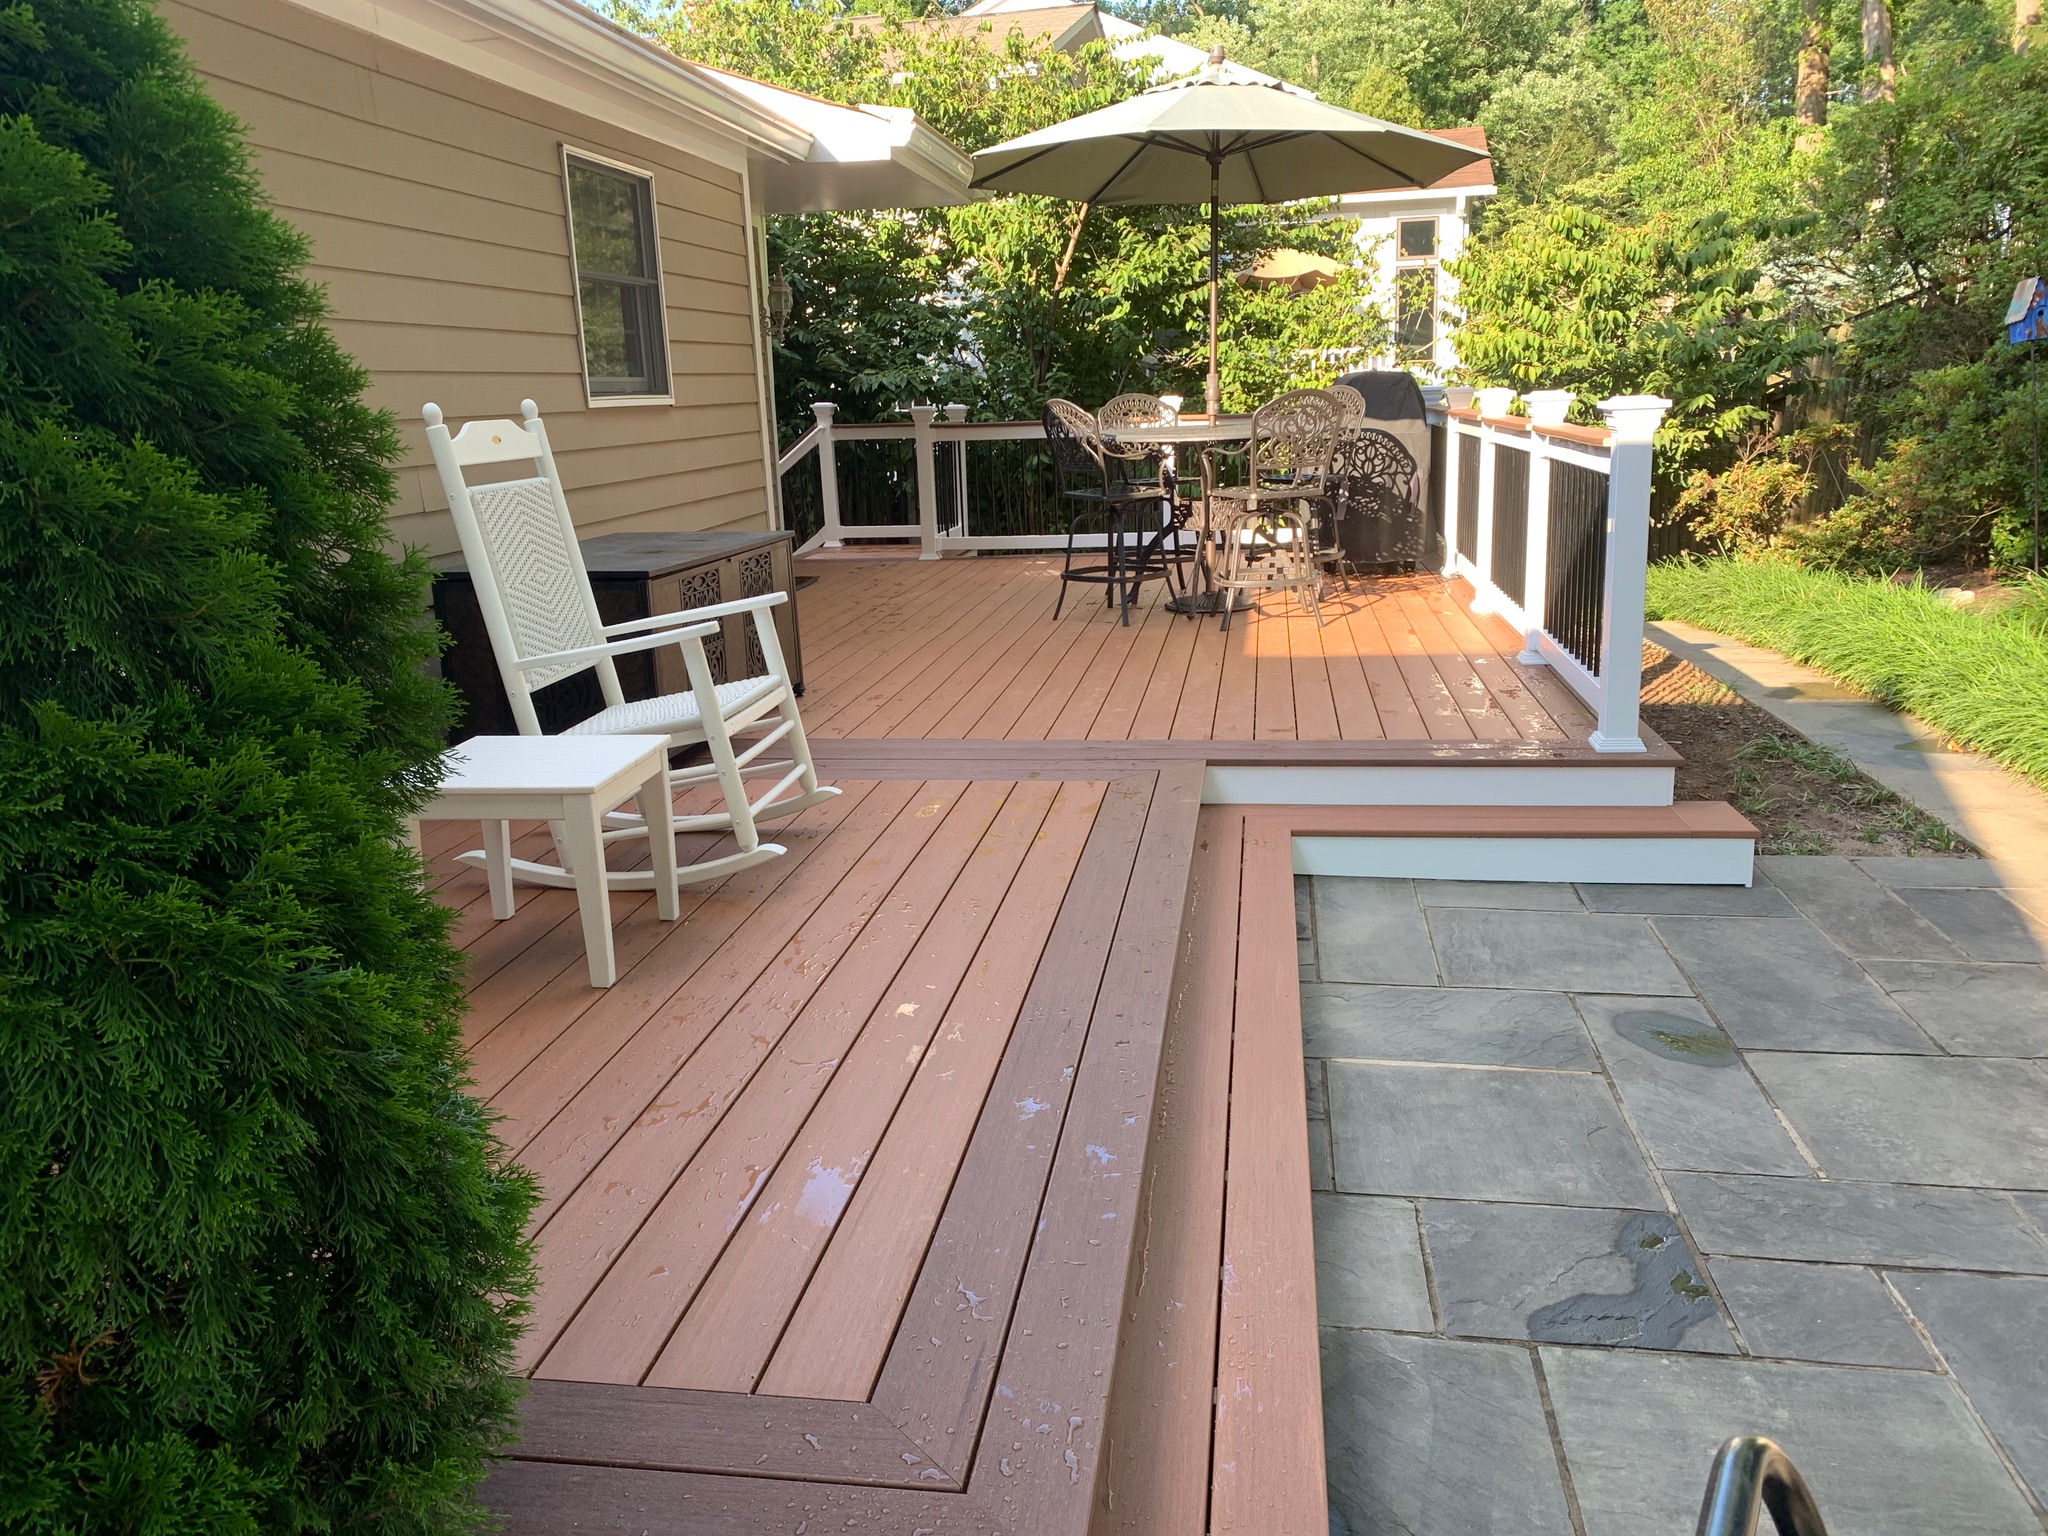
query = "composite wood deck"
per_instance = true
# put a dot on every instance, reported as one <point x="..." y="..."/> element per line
<point x="949" y="1174"/>
<point x="968" y="648"/>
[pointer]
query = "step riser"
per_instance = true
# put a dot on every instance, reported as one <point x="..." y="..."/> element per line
<point x="1437" y="784"/>
<point x="1596" y="860"/>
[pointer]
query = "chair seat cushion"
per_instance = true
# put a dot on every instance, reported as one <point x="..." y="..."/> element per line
<point x="672" y="712"/>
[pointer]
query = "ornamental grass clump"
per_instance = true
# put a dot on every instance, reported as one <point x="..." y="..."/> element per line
<point x="1979" y="678"/>
<point x="261" y="1262"/>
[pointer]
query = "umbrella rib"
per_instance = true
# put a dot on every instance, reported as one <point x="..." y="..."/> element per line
<point x="1018" y="165"/>
<point x="1252" y="165"/>
<point x="1142" y="146"/>
<point x="1374" y="159"/>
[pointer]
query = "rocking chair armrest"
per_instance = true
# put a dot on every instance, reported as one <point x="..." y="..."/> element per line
<point x="588" y="653"/>
<point x="700" y="615"/>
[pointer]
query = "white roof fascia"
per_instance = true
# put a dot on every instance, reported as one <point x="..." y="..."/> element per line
<point x="859" y="157"/>
<point x="1130" y="42"/>
<point x="1404" y="199"/>
<point x="562" y="52"/>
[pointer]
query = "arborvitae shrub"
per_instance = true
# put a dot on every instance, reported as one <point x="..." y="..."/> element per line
<point x="261" y="1265"/>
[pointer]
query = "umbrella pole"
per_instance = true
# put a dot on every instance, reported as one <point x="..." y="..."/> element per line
<point x="1213" y="394"/>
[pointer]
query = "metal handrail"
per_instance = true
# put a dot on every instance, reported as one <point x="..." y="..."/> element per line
<point x="1752" y="1474"/>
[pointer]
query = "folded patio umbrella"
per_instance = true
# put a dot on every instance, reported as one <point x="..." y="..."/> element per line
<point x="1226" y="134"/>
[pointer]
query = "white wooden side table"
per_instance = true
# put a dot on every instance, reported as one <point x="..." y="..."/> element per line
<point x="571" y="781"/>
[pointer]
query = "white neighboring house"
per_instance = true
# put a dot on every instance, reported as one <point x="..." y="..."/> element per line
<point x="1411" y="235"/>
<point x="1071" y="23"/>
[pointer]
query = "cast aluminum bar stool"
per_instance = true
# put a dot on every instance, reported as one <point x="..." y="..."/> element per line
<point x="571" y="781"/>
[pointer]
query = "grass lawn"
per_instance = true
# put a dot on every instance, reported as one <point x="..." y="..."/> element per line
<point x="1979" y="678"/>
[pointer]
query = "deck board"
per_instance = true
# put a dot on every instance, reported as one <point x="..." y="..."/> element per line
<point x="964" y="1106"/>
<point x="970" y="649"/>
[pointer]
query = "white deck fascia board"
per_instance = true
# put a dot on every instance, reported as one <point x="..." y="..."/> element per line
<point x="1593" y="860"/>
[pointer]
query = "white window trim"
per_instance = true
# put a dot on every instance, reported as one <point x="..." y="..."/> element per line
<point x="590" y="398"/>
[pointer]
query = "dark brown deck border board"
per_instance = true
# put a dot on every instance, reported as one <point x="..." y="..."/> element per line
<point x="1063" y="1339"/>
<point x="855" y="757"/>
<point x="669" y="1429"/>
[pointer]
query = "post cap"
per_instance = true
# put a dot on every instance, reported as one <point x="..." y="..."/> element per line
<point x="1634" y="418"/>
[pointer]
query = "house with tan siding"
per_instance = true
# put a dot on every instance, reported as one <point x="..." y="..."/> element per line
<point x="515" y="198"/>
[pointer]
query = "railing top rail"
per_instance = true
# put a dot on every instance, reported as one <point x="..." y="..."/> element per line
<point x="793" y="455"/>
<point x="1599" y="439"/>
<point x="1572" y="432"/>
<point x="904" y="431"/>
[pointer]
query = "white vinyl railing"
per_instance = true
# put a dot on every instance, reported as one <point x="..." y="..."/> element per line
<point x="943" y="522"/>
<point x="1548" y="522"/>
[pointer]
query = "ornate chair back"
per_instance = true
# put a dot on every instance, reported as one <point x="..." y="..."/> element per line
<point x="1352" y="404"/>
<point x="1294" y="436"/>
<point x="1136" y="459"/>
<point x="523" y="557"/>
<point x="1371" y="469"/>
<point x="1078" y="460"/>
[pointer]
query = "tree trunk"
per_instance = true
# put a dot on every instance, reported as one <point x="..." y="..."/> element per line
<point x="1877" y="49"/>
<point x="2026" y="15"/>
<point x="1810" y="94"/>
<point x="1041" y="359"/>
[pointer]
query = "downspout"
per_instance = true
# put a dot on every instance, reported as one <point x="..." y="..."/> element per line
<point x="764" y="354"/>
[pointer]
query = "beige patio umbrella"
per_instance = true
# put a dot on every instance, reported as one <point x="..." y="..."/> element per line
<point x="1227" y="134"/>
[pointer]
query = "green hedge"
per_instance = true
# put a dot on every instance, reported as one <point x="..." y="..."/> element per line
<point x="1980" y="678"/>
<point x="261" y="1258"/>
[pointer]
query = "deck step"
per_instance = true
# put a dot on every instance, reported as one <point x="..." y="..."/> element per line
<point x="1686" y="843"/>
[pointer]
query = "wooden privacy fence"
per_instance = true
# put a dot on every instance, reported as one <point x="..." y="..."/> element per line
<point x="1549" y="522"/>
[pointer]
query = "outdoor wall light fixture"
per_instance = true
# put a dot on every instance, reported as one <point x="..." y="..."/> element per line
<point x="781" y="300"/>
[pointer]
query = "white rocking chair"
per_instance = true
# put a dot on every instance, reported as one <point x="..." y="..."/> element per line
<point x="544" y="626"/>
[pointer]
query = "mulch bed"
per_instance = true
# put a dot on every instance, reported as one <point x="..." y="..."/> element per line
<point x="1803" y="798"/>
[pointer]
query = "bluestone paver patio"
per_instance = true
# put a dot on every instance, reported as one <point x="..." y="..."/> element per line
<point x="1608" y="1174"/>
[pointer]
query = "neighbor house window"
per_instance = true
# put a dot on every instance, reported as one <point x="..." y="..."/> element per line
<point x="1415" y="290"/>
<point x="618" y="278"/>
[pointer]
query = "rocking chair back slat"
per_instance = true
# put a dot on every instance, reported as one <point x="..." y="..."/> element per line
<point x="537" y="573"/>
<point x="524" y="559"/>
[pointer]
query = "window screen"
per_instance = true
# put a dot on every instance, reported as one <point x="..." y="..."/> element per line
<point x="1418" y="238"/>
<point x="1415" y="313"/>
<point x="618" y="279"/>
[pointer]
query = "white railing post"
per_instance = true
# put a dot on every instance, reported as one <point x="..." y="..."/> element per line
<point x="1632" y="419"/>
<point x="1547" y="408"/>
<point x="833" y="534"/>
<point x="927" y="483"/>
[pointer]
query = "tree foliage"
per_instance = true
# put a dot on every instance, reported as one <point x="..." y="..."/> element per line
<point x="1002" y="303"/>
<point x="1667" y="223"/>
<point x="260" y="1265"/>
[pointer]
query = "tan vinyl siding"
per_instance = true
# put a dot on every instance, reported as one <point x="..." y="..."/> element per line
<point x="433" y="201"/>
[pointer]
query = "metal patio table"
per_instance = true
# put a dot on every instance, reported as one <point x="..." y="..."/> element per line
<point x="1208" y="436"/>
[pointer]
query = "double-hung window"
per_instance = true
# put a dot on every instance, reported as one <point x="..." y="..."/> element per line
<point x="617" y="260"/>
<point x="1415" y="290"/>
